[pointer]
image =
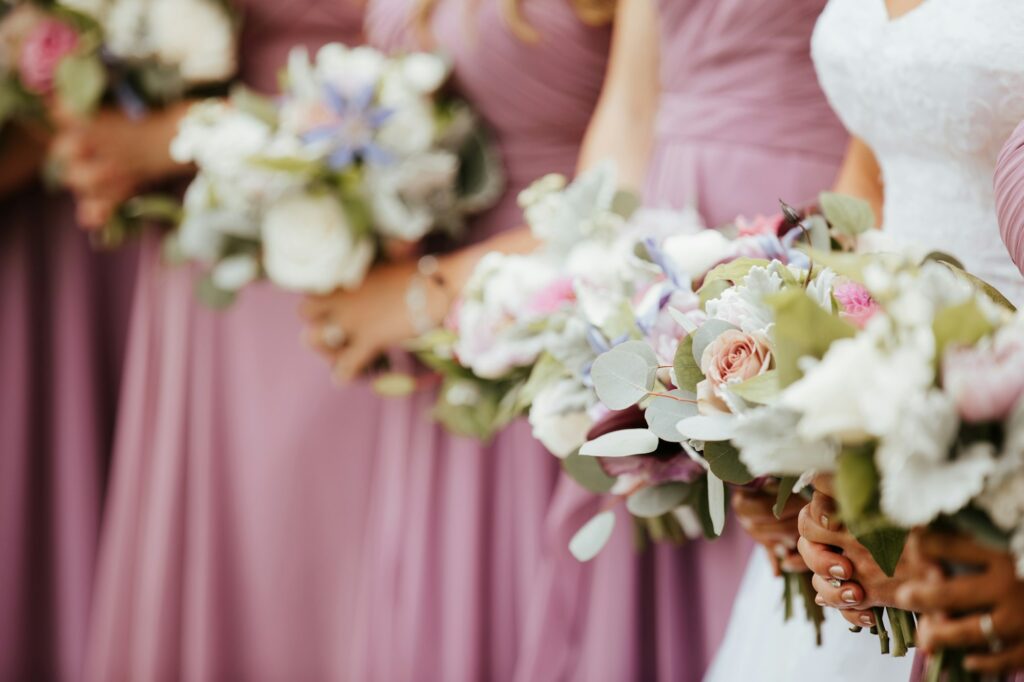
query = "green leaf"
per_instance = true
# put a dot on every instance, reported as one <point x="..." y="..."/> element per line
<point x="653" y="501"/>
<point x="802" y="329"/>
<point x="733" y="271"/>
<point x="213" y="296"/>
<point x="476" y="418"/>
<point x="762" y="389"/>
<point x="394" y="385"/>
<point x="80" y="81"/>
<point x="884" y="543"/>
<point x="625" y="203"/>
<point x="623" y="378"/>
<point x="256" y="105"/>
<point x="593" y="536"/>
<point x="961" y="325"/>
<point x="156" y="207"/>
<point x="711" y="291"/>
<point x="856" y="483"/>
<point x="287" y="164"/>
<point x="545" y="371"/>
<point x="588" y="473"/>
<point x="786" y="484"/>
<point x="688" y="373"/>
<point x="981" y="285"/>
<point x="663" y="413"/>
<point x="848" y="215"/>
<point x="725" y="463"/>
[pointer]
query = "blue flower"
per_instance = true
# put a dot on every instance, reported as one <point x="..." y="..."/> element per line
<point x="351" y="137"/>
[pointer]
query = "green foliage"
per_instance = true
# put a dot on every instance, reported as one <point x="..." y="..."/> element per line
<point x="786" y="484"/>
<point x="624" y="375"/>
<point x="960" y="325"/>
<point x="588" y="473"/>
<point x="80" y="81"/>
<point x="725" y="463"/>
<point x="802" y="329"/>
<point x="733" y="271"/>
<point x="664" y="412"/>
<point x="654" y="501"/>
<point x="688" y="373"/>
<point x="762" y="389"/>
<point x="213" y="296"/>
<point x="256" y="105"/>
<point x="394" y="384"/>
<point x="848" y="215"/>
<point x="856" y="483"/>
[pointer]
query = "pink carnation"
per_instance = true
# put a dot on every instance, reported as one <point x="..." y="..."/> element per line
<point x="41" y="53"/>
<point x="857" y="304"/>
<point x="553" y="297"/>
<point x="986" y="381"/>
<point x="759" y="225"/>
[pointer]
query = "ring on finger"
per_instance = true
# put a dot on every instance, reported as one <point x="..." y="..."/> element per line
<point x="988" y="629"/>
<point x="333" y="336"/>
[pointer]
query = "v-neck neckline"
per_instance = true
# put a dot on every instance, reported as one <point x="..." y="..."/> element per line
<point x="890" y="20"/>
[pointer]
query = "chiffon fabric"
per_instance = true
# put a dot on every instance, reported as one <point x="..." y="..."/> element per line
<point x="456" y="529"/>
<point x="1009" y="187"/>
<point x="742" y="123"/>
<point x="241" y="474"/>
<point x="63" y="316"/>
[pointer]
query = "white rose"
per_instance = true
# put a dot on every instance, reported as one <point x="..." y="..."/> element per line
<point x="350" y="70"/>
<point x="308" y="246"/>
<point x="195" y="35"/>
<point x="125" y="30"/>
<point x="559" y="416"/>
<point x="697" y="253"/>
<point x="409" y="130"/>
<point x="234" y="272"/>
<point x="219" y="138"/>
<point x="424" y="72"/>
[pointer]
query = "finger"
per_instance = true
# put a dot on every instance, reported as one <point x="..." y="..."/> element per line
<point x="860" y="619"/>
<point x="775" y="564"/>
<point x="794" y="563"/>
<point x="937" y="593"/>
<point x="823" y="561"/>
<point x="90" y="177"/>
<point x="352" y="362"/>
<point x="995" y="664"/>
<point x="958" y="548"/>
<point x="941" y="631"/>
<point x="68" y="147"/>
<point x="823" y="483"/>
<point x="313" y="337"/>
<point x="824" y="509"/>
<point x="814" y="528"/>
<point x="760" y="506"/>
<point x="318" y="307"/>
<point x="838" y="594"/>
<point x="93" y="214"/>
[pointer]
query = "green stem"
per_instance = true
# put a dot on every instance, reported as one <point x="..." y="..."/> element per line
<point x="899" y="643"/>
<point x="883" y="634"/>
<point x="815" y="613"/>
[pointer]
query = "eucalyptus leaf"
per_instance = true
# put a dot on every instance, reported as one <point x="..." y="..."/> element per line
<point x="687" y="371"/>
<point x="625" y="203"/>
<point x="820" y="238"/>
<point x="762" y="389"/>
<point x="711" y="291"/>
<point x="706" y="335"/>
<point x="961" y="325"/>
<point x="624" y="443"/>
<point x="726" y="464"/>
<point x="80" y="81"/>
<point x="623" y="378"/>
<point x="733" y="271"/>
<point x="394" y="384"/>
<point x="786" y="485"/>
<point x="848" y="215"/>
<point x="213" y="296"/>
<point x="654" y="501"/>
<point x="688" y="325"/>
<point x="802" y="329"/>
<point x="663" y="413"/>
<point x="587" y="471"/>
<point x="716" y="502"/>
<point x="708" y="427"/>
<point x="593" y="536"/>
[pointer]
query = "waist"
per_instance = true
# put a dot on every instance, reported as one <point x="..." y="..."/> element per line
<point x="801" y="124"/>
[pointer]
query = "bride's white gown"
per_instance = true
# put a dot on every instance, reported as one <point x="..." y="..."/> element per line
<point x="935" y="93"/>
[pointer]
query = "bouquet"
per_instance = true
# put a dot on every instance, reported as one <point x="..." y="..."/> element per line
<point x="138" y="54"/>
<point x="360" y="153"/>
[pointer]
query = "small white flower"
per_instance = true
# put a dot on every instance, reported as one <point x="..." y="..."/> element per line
<point x="770" y="444"/>
<point x="744" y="305"/>
<point x="234" y="272"/>
<point x="308" y="246"/>
<point x="462" y="394"/>
<point x="697" y="253"/>
<point x="195" y="35"/>
<point x="559" y="416"/>
<point x="424" y="72"/>
<point x="350" y="70"/>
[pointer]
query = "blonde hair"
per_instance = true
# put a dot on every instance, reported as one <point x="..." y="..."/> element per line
<point x="590" y="12"/>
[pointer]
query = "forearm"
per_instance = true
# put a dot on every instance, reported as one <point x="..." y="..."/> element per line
<point x="861" y="176"/>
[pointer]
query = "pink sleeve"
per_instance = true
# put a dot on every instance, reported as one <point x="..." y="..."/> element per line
<point x="1009" y="185"/>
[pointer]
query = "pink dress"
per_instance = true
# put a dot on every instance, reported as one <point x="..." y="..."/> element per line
<point x="456" y="529"/>
<point x="63" y="317"/>
<point x="742" y="123"/>
<point x="1009" y="186"/>
<point x="241" y="474"/>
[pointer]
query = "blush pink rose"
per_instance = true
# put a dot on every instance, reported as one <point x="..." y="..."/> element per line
<point x="733" y="357"/>
<point x="986" y="381"/>
<point x="44" y="48"/>
<point x="553" y="297"/>
<point x="857" y="304"/>
<point x="759" y="225"/>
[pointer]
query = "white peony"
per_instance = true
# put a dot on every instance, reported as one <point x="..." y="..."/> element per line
<point x="126" y="33"/>
<point x="559" y="416"/>
<point x="309" y="246"/>
<point x="770" y="444"/>
<point x="697" y="253"/>
<point x="403" y="194"/>
<point x="195" y="35"/>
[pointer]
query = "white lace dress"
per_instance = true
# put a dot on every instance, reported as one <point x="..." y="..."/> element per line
<point x="935" y="93"/>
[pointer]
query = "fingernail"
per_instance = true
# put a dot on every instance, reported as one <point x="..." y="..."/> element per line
<point x="780" y="551"/>
<point x="835" y="583"/>
<point x="837" y="572"/>
<point x="824" y="521"/>
<point x="849" y="597"/>
<point x="818" y="600"/>
<point x="866" y="619"/>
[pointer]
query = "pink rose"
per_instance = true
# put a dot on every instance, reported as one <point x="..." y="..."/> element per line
<point x="986" y="381"/>
<point x="759" y="225"/>
<point x="733" y="357"/>
<point x="44" y="48"/>
<point x="857" y="304"/>
<point x="553" y="297"/>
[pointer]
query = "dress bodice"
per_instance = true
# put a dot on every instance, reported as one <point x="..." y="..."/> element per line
<point x="739" y="71"/>
<point x="935" y="93"/>
<point x="271" y="28"/>
<point x="537" y="97"/>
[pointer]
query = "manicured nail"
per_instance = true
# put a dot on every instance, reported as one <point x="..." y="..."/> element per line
<point x="837" y="572"/>
<point x="780" y="551"/>
<point x="818" y="600"/>
<point x="824" y="521"/>
<point x="835" y="583"/>
<point x="849" y="597"/>
<point x="866" y="619"/>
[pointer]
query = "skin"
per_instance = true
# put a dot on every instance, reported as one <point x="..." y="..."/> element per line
<point x="777" y="535"/>
<point x="951" y="607"/>
<point x="21" y="156"/>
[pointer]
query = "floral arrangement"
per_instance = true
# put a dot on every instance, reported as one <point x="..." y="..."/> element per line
<point x="360" y="153"/>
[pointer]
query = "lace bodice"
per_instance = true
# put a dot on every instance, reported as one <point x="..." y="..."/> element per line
<point x="935" y="93"/>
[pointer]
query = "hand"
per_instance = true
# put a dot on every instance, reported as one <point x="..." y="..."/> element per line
<point x="954" y="609"/>
<point x="353" y="328"/>
<point x="106" y="159"/>
<point x="777" y="535"/>
<point x="846" y="576"/>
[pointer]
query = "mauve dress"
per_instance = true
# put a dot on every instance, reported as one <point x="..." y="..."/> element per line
<point x="1009" y="187"/>
<point x="241" y="474"/>
<point x="741" y="124"/>
<point x="456" y="528"/>
<point x="63" y="318"/>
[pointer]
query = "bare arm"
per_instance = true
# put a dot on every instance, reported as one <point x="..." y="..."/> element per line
<point x="860" y="176"/>
<point x="21" y="155"/>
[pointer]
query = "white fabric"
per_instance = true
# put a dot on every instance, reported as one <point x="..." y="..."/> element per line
<point x="761" y="647"/>
<point x="935" y="93"/>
